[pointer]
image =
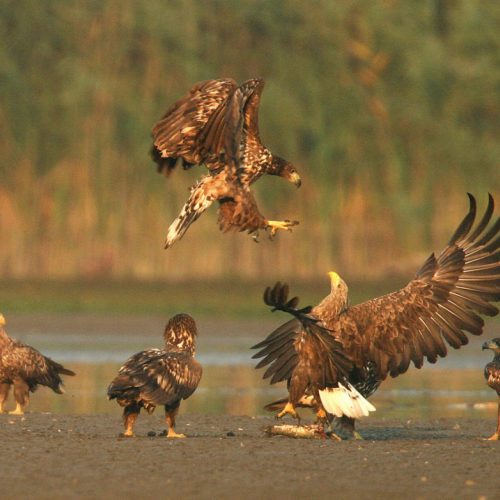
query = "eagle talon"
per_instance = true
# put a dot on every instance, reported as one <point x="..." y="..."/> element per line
<point x="289" y="409"/>
<point x="276" y="225"/>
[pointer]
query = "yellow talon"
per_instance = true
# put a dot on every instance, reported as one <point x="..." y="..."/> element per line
<point x="172" y="434"/>
<point x="286" y="225"/>
<point x="289" y="409"/>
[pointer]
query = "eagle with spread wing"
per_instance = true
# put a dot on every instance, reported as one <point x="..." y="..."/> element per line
<point x="216" y="124"/>
<point x="25" y="368"/>
<point x="159" y="376"/>
<point x="492" y="376"/>
<point x="385" y="335"/>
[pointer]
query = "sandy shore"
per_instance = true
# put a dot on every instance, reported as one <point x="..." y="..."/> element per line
<point x="64" y="456"/>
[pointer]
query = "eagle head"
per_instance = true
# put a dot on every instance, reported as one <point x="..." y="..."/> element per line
<point x="285" y="169"/>
<point x="493" y="344"/>
<point x="180" y="333"/>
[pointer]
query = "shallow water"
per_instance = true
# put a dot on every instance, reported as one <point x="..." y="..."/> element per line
<point x="96" y="347"/>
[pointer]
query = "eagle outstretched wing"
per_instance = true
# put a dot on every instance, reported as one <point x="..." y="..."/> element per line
<point x="177" y="134"/>
<point x="156" y="377"/>
<point x="442" y="303"/>
<point x="302" y="340"/>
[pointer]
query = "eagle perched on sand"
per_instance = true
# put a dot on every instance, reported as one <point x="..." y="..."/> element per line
<point x="159" y="376"/>
<point x="492" y="376"/>
<point x="216" y="124"/>
<point x="25" y="368"/>
<point x="383" y="336"/>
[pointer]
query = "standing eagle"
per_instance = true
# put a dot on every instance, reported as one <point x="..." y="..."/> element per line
<point x="383" y="336"/>
<point x="492" y="376"/>
<point x="25" y="368"/>
<point x="159" y="376"/>
<point x="216" y="124"/>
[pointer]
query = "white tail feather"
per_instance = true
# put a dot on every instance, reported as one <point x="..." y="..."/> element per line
<point x="196" y="204"/>
<point x="345" y="401"/>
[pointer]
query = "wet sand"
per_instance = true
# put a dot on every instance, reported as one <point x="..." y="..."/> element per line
<point x="75" y="456"/>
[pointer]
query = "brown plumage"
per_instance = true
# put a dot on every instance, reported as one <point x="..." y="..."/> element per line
<point x="159" y="376"/>
<point x="216" y="124"/>
<point x="492" y="376"/>
<point x="24" y="368"/>
<point x="385" y="335"/>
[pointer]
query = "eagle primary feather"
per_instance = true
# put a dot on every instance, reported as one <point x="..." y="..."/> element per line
<point x="383" y="336"/>
<point x="216" y="124"/>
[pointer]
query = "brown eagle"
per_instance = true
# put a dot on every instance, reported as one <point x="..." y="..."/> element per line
<point x="492" y="376"/>
<point x="385" y="335"/>
<point x="25" y="368"/>
<point x="159" y="376"/>
<point x="216" y="124"/>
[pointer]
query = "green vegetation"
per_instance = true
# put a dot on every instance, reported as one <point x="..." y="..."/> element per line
<point x="390" y="110"/>
<point x="212" y="299"/>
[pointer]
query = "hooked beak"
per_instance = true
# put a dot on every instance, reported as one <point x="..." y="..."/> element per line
<point x="334" y="279"/>
<point x="489" y="345"/>
<point x="295" y="179"/>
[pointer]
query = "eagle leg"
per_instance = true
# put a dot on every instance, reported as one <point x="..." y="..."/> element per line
<point x="4" y="394"/>
<point x="496" y="435"/>
<point x="21" y="395"/>
<point x="130" y="414"/>
<point x="170" y="413"/>
<point x="348" y="425"/>
<point x="276" y="225"/>
<point x="289" y="409"/>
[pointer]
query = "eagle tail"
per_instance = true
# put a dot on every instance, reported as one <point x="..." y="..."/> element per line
<point x="199" y="200"/>
<point x="346" y="401"/>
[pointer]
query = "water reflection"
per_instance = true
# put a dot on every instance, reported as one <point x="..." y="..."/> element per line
<point x="230" y="385"/>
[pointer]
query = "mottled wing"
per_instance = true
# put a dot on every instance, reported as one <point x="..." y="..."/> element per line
<point x="157" y="377"/>
<point x="441" y="304"/>
<point x="27" y="363"/>
<point x="177" y="134"/>
<point x="236" y="127"/>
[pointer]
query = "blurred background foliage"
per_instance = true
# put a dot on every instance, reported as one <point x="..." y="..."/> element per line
<point x="389" y="109"/>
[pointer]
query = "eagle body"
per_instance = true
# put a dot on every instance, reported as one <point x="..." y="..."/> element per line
<point x="155" y="377"/>
<point x="380" y="337"/>
<point x="492" y="376"/>
<point x="216" y="124"/>
<point x="25" y="368"/>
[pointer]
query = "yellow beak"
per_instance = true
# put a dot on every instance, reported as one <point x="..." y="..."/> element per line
<point x="334" y="279"/>
<point x="2" y="320"/>
<point x="295" y="179"/>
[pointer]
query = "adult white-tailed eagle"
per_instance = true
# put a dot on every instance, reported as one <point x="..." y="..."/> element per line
<point x="216" y="124"/>
<point x="159" y="376"/>
<point x="24" y="368"/>
<point x="383" y="336"/>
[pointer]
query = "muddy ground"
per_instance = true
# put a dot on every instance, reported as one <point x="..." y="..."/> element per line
<point x="64" y="456"/>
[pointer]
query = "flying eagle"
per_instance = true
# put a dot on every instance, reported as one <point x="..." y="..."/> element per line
<point x="25" y="368"/>
<point x="159" y="376"/>
<point x="216" y="124"/>
<point x="492" y="376"/>
<point x="385" y="335"/>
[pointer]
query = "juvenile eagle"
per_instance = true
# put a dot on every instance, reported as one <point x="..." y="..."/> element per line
<point x="216" y="124"/>
<point x="25" y="368"/>
<point x="383" y="336"/>
<point x="492" y="376"/>
<point x="159" y="376"/>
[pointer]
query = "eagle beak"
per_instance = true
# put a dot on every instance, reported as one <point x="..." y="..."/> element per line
<point x="334" y="279"/>
<point x="2" y="320"/>
<point x="294" y="178"/>
<point x="489" y="345"/>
